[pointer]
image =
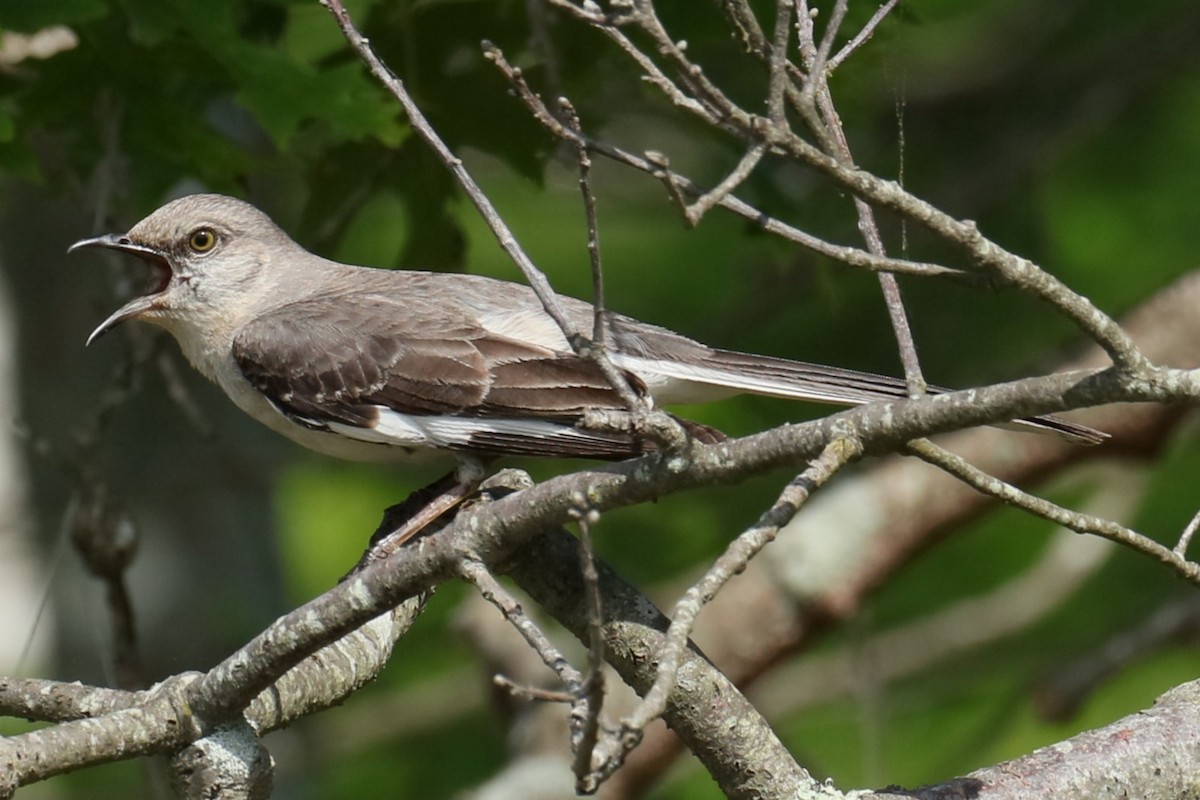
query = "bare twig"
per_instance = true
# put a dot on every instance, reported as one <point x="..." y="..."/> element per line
<point x="708" y="714"/>
<point x="745" y="25"/>
<point x="55" y="701"/>
<point x="504" y="235"/>
<point x="862" y="37"/>
<point x="599" y="329"/>
<point x="1074" y="520"/>
<point x="693" y="213"/>
<point x="839" y="452"/>
<point x="597" y="349"/>
<point x="585" y="713"/>
<point x="531" y="692"/>
<point x="655" y="166"/>
<point x="804" y="100"/>
<point x="476" y="573"/>
<point x="778" y="61"/>
<point x="654" y="75"/>
<point x="702" y="89"/>
<point x="985" y="253"/>
<point x="823" y="119"/>
<point x="1185" y="539"/>
<point x="817" y="69"/>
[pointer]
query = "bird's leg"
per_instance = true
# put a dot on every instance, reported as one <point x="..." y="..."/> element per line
<point x="422" y="508"/>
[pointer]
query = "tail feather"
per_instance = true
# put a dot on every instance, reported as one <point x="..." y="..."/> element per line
<point x="780" y="377"/>
<point x="803" y="381"/>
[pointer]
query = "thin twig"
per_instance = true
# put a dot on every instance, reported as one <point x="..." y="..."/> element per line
<point x="779" y="48"/>
<point x="644" y="421"/>
<point x="504" y="235"/>
<point x="745" y="24"/>
<point x="599" y="329"/>
<point x="824" y="120"/>
<point x="818" y="70"/>
<point x="804" y="101"/>
<point x="597" y="348"/>
<point x="1186" y="539"/>
<point x="742" y="18"/>
<point x="900" y="105"/>
<point x="585" y="712"/>
<point x="1074" y="520"/>
<point x="477" y="573"/>
<point x="862" y="37"/>
<point x="656" y="167"/>
<point x="906" y="345"/>
<point x="531" y="692"/>
<point x="653" y="73"/>
<point x="984" y="253"/>
<point x="839" y="452"/>
<point x="662" y="171"/>
<point x="694" y="212"/>
<point x="702" y="89"/>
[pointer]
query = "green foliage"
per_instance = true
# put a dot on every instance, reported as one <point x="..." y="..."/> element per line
<point x="191" y="89"/>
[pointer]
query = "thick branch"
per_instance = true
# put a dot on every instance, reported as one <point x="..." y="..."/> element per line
<point x="1152" y="753"/>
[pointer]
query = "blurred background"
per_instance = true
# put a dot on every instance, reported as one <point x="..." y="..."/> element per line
<point x="1070" y="131"/>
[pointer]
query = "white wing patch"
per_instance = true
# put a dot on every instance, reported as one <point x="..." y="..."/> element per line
<point x="411" y="430"/>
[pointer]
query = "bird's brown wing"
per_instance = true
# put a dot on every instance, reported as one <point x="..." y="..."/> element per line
<point x="366" y="364"/>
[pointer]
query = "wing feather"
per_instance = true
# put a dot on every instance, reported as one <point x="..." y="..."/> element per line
<point x="345" y="363"/>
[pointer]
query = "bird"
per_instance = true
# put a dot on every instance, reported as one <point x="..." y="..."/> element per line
<point x="377" y="364"/>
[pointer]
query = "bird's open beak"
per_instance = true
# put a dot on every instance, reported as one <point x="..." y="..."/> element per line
<point x="138" y="305"/>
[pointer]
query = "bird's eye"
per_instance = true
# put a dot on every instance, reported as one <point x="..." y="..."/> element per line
<point x="202" y="240"/>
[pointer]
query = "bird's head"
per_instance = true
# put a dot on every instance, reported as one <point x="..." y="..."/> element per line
<point x="206" y="253"/>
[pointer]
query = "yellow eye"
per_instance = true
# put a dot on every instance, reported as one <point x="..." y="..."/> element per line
<point x="202" y="240"/>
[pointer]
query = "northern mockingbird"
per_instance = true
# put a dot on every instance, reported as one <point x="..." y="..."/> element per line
<point x="383" y="364"/>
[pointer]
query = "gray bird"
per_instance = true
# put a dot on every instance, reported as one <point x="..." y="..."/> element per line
<point x="375" y="364"/>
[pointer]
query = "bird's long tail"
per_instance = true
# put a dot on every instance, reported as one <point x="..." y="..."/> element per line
<point x="780" y="377"/>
